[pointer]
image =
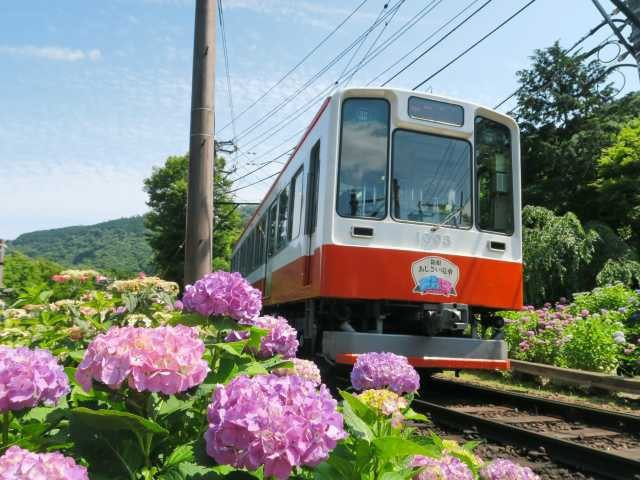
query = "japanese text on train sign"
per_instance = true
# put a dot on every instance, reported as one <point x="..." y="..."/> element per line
<point x="435" y="276"/>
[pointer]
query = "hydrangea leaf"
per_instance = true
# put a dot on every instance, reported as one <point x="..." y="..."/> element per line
<point x="394" y="447"/>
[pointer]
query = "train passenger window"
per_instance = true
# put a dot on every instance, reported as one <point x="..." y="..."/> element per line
<point x="362" y="176"/>
<point x="296" y="205"/>
<point x="431" y="179"/>
<point x="271" y="232"/>
<point x="283" y="218"/>
<point x="494" y="176"/>
<point x="313" y="181"/>
<point x="262" y="240"/>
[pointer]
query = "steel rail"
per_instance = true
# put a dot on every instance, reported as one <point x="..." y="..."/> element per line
<point x="608" y="464"/>
<point x="569" y="411"/>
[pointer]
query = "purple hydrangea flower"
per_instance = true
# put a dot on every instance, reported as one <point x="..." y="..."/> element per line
<point x="20" y="464"/>
<point x="503" y="469"/>
<point x="278" y="422"/>
<point x="162" y="359"/>
<point x="445" y="468"/>
<point x="29" y="378"/>
<point x="384" y="370"/>
<point x="223" y="293"/>
<point x="282" y="338"/>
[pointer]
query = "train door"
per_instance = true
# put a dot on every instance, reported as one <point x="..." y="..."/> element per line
<point x="271" y="246"/>
<point x="311" y="217"/>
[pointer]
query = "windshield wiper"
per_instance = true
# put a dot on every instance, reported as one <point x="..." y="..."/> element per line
<point x="453" y="213"/>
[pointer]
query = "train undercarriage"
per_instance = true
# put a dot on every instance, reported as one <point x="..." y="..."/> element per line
<point x="439" y="335"/>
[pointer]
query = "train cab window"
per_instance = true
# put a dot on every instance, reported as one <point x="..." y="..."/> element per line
<point x="296" y="205"/>
<point x="271" y="231"/>
<point x="362" y="176"/>
<point x="283" y="218"/>
<point x="494" y="176"/>
<point x="431" y="179"/>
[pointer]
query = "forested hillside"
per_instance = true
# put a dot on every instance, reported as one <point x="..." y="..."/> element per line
<point x="117" y="246"/>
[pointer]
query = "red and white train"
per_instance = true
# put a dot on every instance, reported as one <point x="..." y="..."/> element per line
<point x="394" y="226"/>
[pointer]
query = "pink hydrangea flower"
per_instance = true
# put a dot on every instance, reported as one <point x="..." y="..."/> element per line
<point x="384" y="370"/>
<point x="223" y="293"/>
<point x="162" y="359"/>
<point x="29" y="378"/>
<point x="20" y="464"/>
<point x="445" y="468"/>
<point x="282" y="338"/>
<point x="502" y="469"/>
<point x="278" y="422"/>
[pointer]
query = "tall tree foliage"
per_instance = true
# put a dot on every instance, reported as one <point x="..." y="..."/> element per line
<point x="567" y="115"/>
<point x="619" y="183"/>
<point x="167" y="190"/>
<point x="556" y="250"/>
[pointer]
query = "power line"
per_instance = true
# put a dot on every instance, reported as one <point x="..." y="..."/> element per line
<point x="581" y="40"/>
<point x="423" y="41"/>
<point x="467" y="50"/>
<point x="322" y="71"/>
<point x="295" y="67"/>
<point x="327" y="91"/>
<point x="438" y="42"/>
<point x="223" y="35"/>
<point x="254" y="183"/>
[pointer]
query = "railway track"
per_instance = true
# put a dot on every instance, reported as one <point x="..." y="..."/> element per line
<point x="588" y="439"/>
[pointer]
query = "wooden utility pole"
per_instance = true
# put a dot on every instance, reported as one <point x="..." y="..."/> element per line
<point x="2" y="245"/>
<point x="199" y="228"/>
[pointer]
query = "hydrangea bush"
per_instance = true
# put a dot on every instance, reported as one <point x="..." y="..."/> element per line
<point x="272" y="421"/>
<point x="162" y="359"/>
<point x="126" y="379"/>
<point x="20" y="464"/>
<point x="599" y="331"/>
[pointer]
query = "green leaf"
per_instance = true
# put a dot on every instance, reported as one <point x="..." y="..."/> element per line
<point x="394" y="447"/>
<point x="411" y="414"/>
<point x="361" y="409"/>
<point x="232" y="348"/>
<point x="181" y="454"/>
<point x="356" y="424"/>
<point x="113" y="420"/>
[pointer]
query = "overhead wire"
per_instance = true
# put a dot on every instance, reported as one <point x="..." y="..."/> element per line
<point x="321" y="72"/>
<point x="475" y="44"/>
<point x="438" y="42"/>
<point x="297" y="65"/>
<point x="434" y="33"/>
<point x="327" y="91"/>
<point x="223" y="35"/>
<point x="581" y="40"/>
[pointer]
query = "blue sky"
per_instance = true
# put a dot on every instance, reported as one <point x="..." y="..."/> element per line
<point x="94" y="94"/>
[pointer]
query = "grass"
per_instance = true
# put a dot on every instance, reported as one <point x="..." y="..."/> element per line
<point x="621" y="402"/>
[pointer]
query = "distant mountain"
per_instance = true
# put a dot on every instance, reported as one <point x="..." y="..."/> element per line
<point x="117" y="246"/>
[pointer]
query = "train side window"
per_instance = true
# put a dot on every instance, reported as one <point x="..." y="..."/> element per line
<point x="271" y="232"/>
<point x="283" y="218"/>
<point x="312" y="190"/>
<point x="295" y="207"/>
<point x="363" y="163"/>
<point x="251" y="255"/>
<point x="262" y="243"/>
<point x="494" y="177"/>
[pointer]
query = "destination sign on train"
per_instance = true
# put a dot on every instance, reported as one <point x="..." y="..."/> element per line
<point x="427" y="109"/>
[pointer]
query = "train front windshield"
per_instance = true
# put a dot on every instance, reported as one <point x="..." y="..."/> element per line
<point x="431" y="175"/>
<point x="431" y="179"/>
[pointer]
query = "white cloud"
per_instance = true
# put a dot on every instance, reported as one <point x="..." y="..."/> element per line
<point x="51" y="53"/>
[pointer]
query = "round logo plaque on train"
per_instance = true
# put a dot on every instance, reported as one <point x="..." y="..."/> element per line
<point x="435" y="276"/>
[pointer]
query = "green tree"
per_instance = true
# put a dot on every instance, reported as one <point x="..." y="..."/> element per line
<point x="618" y="182"/>
<point x="21" y="271"/>
<point x="556" y="250"/>
<point x="567" y="115"/>
<point x="167" y="190"/>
